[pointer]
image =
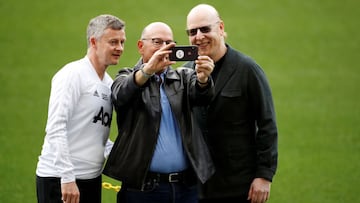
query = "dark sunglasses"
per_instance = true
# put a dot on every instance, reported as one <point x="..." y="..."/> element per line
<point x="204" y="29"/>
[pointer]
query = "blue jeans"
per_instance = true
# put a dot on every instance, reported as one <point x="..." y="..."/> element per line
<point x="159" y="192"/>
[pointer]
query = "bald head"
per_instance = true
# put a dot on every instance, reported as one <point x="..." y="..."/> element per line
<point x="203" y="13"/>
<point x="156" y="28"/>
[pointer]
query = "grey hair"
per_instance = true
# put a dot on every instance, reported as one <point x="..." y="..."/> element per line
<point x="99" y="24"/>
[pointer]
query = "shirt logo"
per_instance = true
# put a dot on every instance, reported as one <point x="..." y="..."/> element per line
<point x="105" y="97"/>
<point x="103" y="117"/>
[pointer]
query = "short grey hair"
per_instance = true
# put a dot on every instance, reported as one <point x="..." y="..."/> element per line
<point x="99" y="24"/>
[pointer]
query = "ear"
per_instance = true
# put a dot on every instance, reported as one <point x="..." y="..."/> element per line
<point x="222" y="26"/>
<point x="140" y="45"/>
<point x="92" y="42"/>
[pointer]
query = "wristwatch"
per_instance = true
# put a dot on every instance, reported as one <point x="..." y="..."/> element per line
<point x="146" y="75"/>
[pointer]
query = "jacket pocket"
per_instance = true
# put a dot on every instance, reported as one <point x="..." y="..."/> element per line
<point x="231" y="105"/>
<point x="231" y="93"/>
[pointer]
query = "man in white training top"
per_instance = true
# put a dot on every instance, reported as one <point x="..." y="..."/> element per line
<point x="79" y="116"/>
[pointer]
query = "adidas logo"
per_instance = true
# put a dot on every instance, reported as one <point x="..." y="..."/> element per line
<point x="96" y="94"/>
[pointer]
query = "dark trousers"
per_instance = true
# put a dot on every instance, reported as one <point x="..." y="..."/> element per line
<point x="48" y="190"/>
<point x="161" y="192"/>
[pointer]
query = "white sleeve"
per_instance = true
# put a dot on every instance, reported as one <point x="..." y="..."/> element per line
<point x="108" y="147"/>
<point x="65" y="93"/>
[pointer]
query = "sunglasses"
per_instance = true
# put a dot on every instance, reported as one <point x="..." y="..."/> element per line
<point x="204" y="29"/>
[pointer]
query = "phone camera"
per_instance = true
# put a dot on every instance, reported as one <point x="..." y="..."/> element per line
<point x="180" y="54"/>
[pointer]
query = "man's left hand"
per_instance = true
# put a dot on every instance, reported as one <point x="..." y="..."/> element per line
<point x="259" y="190"/>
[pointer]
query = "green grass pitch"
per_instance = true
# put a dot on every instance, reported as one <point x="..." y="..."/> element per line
<point x="308" y="49"/>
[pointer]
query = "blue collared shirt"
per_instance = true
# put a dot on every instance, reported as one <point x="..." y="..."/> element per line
<point x="169" y="155"/>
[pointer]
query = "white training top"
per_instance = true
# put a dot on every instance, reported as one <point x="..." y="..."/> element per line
<point x="77" y="130"/>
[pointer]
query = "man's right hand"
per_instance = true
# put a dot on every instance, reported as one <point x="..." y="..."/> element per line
<point x="159" y="61"/>
<point x="70" y="193"/>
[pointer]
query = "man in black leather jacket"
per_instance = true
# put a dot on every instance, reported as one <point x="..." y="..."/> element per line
<point x="159" y="146"/>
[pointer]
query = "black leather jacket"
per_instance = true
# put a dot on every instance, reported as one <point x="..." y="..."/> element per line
<point x="138" y="113"/>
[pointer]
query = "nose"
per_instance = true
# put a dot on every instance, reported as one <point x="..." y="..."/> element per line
<point x="199" y="34"/>
<point x="120" y="47"/>
<point x="164" y="43"/>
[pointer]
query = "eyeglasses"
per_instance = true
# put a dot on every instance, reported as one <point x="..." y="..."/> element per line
<point x="159" y="42"/>
<point x="204" y="29"/>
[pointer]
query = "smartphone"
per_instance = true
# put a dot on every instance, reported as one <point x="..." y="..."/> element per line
<point x="183" y="53"/>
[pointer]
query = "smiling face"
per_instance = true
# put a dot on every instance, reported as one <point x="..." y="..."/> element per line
<point x="206" y="30"/>
<point x="109" y="47"/>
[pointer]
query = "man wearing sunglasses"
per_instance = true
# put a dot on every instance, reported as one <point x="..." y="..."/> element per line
<point x="239" y="123"/>
<point x="159" y="153"/>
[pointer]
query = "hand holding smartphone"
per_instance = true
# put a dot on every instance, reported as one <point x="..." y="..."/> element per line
<point x="183" y="53"/>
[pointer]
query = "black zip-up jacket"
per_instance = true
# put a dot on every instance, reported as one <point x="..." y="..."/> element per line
<point x="138" y="113"/>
